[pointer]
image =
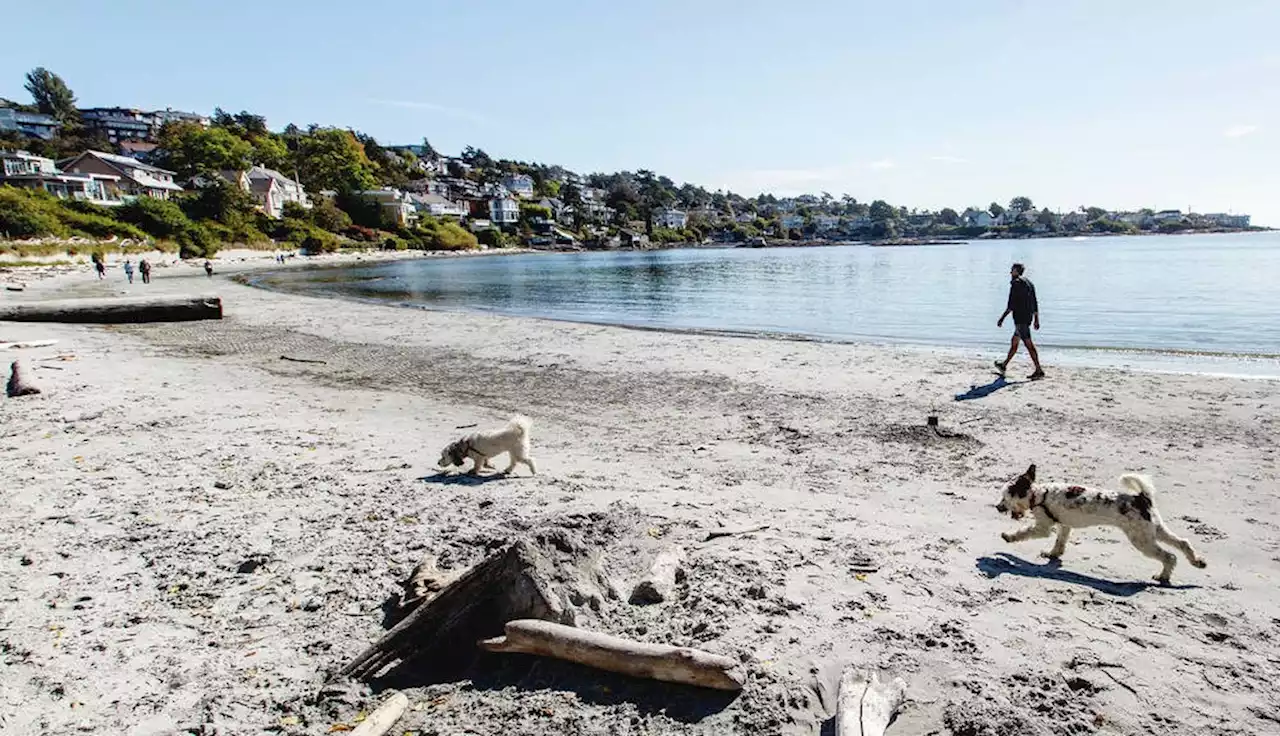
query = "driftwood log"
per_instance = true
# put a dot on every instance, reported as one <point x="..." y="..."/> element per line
<point x="543" y="578"/>
<point x="424" y="583"/>
<point x="866" y="706"/>
<point x="115" y="311"/>
<point x="614" y="654"/>
<point x="20" y="383"/>
<point x="660" y="583"/>
<point x="381" y="720"/>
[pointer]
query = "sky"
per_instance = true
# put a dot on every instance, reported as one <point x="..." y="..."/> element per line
<point x="1169" y="104"/>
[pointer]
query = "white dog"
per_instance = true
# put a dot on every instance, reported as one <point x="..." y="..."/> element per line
<point x="1074" y="507"/>
<point x="512" y="439"/>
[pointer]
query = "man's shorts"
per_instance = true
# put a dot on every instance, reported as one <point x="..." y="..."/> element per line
<point x="1022" y="330"/>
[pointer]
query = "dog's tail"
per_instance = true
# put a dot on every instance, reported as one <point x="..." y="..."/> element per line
<point x="1139" y="484"/>
<point x="522" y="423"/>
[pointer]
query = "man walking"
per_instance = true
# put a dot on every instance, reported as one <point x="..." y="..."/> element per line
<point x="128" y="270"/>
<point x="1026" y="314"/>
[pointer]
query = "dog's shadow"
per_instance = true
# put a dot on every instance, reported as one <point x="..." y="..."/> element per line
<point x="1004" y="563"/>
<point x="463" y="479"/>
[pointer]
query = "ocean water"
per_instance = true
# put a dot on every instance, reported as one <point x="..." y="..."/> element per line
<point x="1199" y="303"/>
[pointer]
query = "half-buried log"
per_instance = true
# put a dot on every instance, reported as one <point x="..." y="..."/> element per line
<point x="866" y="706"/>
<point x="614" y="654"/>
<point x="660" y="583"/>
<point x="544" y="578"/>
<point x="20" y="383"/>
<point x="382" y="719"/>
<point x="115" y="311"/>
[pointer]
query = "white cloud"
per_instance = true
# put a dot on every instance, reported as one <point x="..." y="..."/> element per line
<point x="949" y="159"/>
<point x="454" y="112"/>
<point x="1240" y="131"/>
<point x="882" y="164"/>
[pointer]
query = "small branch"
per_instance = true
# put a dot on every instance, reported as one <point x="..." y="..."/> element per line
<point x="731" y="532"/>
<point x="382" y="719"/>
<point x="300" y="360"/>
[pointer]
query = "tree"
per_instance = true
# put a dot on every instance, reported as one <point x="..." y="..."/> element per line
<point x="428" y="152"/>
<point x="1021" y="204"/>
<point x="222" y="201"/>
<point x="191" y="150"/>
<point x="326" y="215"/>
<point x="995" y="209"/>
<point x="332" y="158"/>
<point x="949" y="216"/>
<point x="882" y="211"/>
<point x="1095" y="213"/>
<point x="1046" y="218"/>
<point x="52" y="95"/>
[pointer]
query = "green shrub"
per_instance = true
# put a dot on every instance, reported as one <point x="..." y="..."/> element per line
<point x="99" y="226"/>
<point x="394" y="243"/>
<point x="27" y="214"/>
<point x="492" y="237"/>
<point x="158" y="217"/>
<point x="326" y="215"/>
<point x="196" y="241"/>
<point x="432" y="234"/>
<point x="319" y="241"/>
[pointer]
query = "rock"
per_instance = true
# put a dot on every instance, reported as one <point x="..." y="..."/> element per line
<point x="252" y="564"/>
<point x="222" y="485"/>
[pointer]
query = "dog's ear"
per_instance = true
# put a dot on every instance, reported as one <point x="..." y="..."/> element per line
<point x="1031" y="472"/>
<point x="1021" y="487"/>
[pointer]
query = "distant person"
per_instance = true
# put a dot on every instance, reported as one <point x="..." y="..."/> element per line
<point x="128" y="270"/>
<point x="208" y="269"/>
<point x="101" y="268"/>
<point x="144" y="268"/>
<point x="1026" y="314"/>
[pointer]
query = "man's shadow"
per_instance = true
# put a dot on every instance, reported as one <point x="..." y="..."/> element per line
<point x="978" y="392"/>
<point x="464" y="479"/>
<point x="1005" y="563"/>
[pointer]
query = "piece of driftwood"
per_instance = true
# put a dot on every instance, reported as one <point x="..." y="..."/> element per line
<point x="300" y="360"/>
<point x="424" y="583"/>
<point x="544" y="578"/>
<point x="115" y="311"/>
<point x="381" y="720"/>
<point x="660" y="583"/>
<point x="23" y="344"/>
<point x="865" y="706"/>
<point x="20" y="382"/>
<point x="614" y="654"/>
<point x="730" y="532"/>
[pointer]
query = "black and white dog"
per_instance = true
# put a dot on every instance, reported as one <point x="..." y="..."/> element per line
<point x="1073" y="507"/>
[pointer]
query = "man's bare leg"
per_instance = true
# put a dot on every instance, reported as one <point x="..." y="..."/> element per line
<point x="1035" y="354"/>
<point x="1013" y="350"/>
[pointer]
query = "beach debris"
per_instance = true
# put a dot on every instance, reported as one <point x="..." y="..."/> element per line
<point x="116" y="311"/>
<point x="381" y="720"/>
<point x="664" y="573"/>
<point x="731" y="532"/>
<point x="866" y="706"/>
<point x="25" y="344"/>
<point x="542" y="577"/>
<point x="20" y="383"/>
<point x="424" y="583"/>
<point x="15" y="287"/>
<point x="301" y="360"/>
<point x="615" y="654"/>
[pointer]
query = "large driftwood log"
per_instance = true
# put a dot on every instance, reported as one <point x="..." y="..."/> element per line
<point x="20" y="383"/>
<point x="115" y="311"/>
<point x="660" y="583"/>
<point x="614" y="654"/>
<point x="542" y="578"/>
<point x="382" y="719"/>
<point x="865" y="706"/>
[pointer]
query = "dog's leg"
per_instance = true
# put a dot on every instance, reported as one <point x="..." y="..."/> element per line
<point x="478" y="462"/>
<point x="1059" y="545"/>
<point x="1164" y="535"/>
<point x="529" y="461"/>
<point x="1039" y="531"/>
<point x="1144" y="540"/>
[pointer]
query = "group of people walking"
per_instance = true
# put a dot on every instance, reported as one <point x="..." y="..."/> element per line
<point x="144" y="269"/>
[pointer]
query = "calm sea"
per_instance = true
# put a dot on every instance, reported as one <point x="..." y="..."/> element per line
<point x="1188" y="303"/>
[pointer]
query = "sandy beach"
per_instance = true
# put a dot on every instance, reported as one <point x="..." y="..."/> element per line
<point x="196" y="532"/>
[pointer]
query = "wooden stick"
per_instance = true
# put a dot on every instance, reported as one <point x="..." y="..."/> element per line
<point x="28" y="344"/>
<point x="20" y="383"/>
<point x="382" y="719"/>
<point x="300" y="360"/>
<point x="865" y="706"/>
<point x="660" y="583"/>
<point x="614" y="654"/>
<point x="115" y="311"/>
<point x="731" y="532"/>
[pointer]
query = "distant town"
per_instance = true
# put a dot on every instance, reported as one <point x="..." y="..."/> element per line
<point x="227" y="179"/>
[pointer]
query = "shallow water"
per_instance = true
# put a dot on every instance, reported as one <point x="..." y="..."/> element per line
<point x="1203" y="303"/>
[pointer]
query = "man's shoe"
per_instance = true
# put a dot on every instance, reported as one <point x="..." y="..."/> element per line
<point x="1036" y="376"/>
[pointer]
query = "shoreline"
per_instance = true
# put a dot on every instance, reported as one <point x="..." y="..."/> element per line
<point x="203" y="520"/>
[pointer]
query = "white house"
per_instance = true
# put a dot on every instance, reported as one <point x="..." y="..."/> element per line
<point x="437" y="206"/>
<point x="670" y="219"/>
<point x="793" y="222"/>
<point x="272" y="190"/>
<point x="25" y="170"/>
<point x="136" y="179"/>
<point x="1224" y="220"/>
<point x="396" y="207"/>
<point x="826" y="222"/>
<point x="504" y="211"/>
<point x="520" y="185"/>
<point x="1075" y="220"/>
<point x="978" y="218"/>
